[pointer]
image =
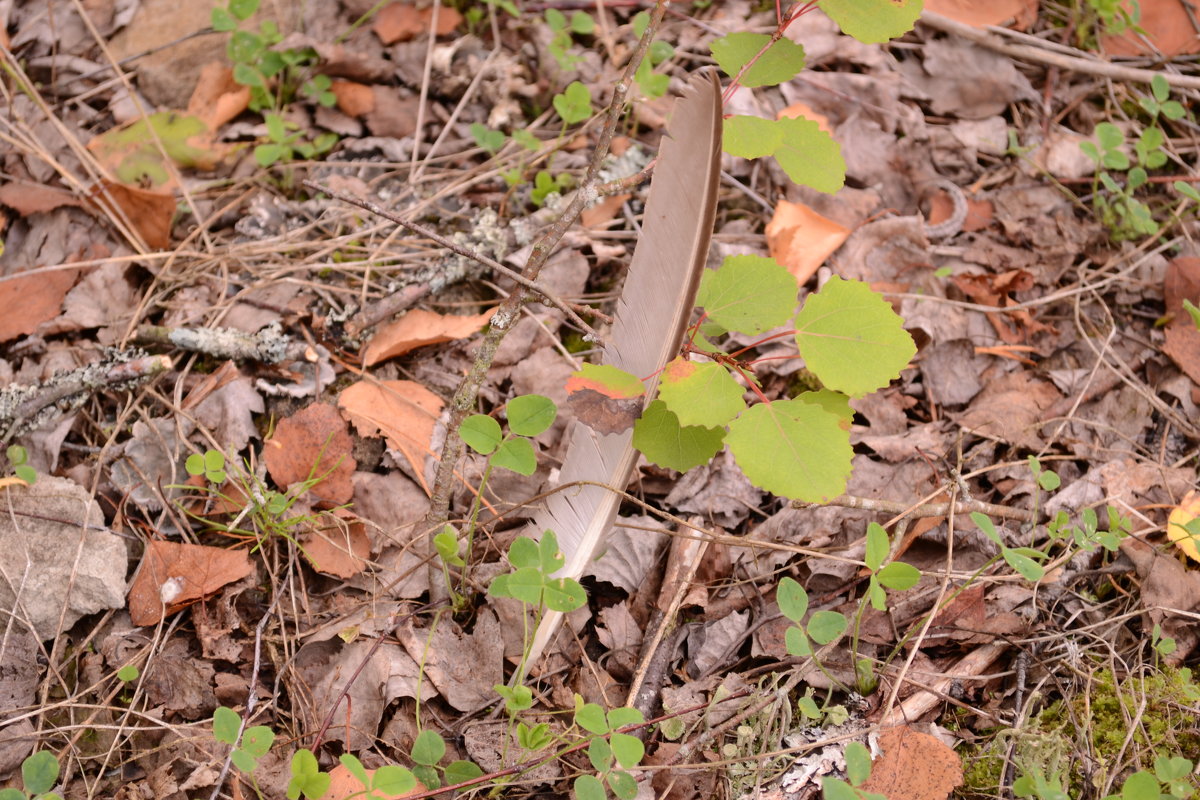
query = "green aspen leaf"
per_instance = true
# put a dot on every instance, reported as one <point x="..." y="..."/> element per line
<point x="428" y="748"/>
<point x="792" y="449"/>
<point x="701" y="393"/>
<point x="391" y="779"/>
<point x="748" y="294"/>
<point x="660" y="437"/>
<point x="834" y="402"/>
<point x="589" y="787"/>
<point x="878" y="546"/>
<point x="809" y="155"/>
<point x="550" y="558"/>
<point x="779" y="64"/>
<point x="481" y="433"/>
<point x="899" y="576"/>
<point x="462" y="771"/>
<point x="591" y="718"/>
<point x="825" y="626"/>
<point x="516" y="454"/>
<point x="751" y="137"/>
<point x="627" y="750"/>
<point x="858" y="763"/>
<point x="792" y="599"/>
<point x="873" y="21"/>
<point x="563" y="594"/>
<point x="257" y="740"/>
<point x="226" y="725"/>
<point x="40" y="772"/>
<point x="530" y="414"/>
<point x="851" y="338"/>
<point x="797" y="642"/>
<point x="606" y="379"/>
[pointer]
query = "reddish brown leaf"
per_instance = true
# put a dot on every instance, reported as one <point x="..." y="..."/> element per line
<point x="604" y="211"/>
<point x="914" y="766"/>
<point x="1182" y="282"/>
<point x="339" y="549"/>
<point x="33" y="198"/>
<point x="149" y="212"/>
<point x="217" y="98"/>
<point x="353" y="99"/>
<point x="981" y="13"/>
<point x="314" y="442"/>
<point x="418" y="328"/>
<point x="1183" y="346"/>
<point x="175" y="575"/>
<point x="399" y="22"/>
<point x="1168" y="26"/>
<point x="30" y="300"/>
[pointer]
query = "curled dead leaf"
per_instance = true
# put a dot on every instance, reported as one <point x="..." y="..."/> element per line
<point x="418" y="328"/>
<point x="403" y="412"/>
<point x="800" y="239"/>
<point x="174" y="575"/>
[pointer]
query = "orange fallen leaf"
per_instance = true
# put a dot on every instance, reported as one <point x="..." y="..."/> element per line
<point x="418" y="328"/>
<point x="149" y="212"/>
<point x="314" y="442"/>
<point x="339" y="548"/>
<point x="981" y="13"/>
<point x="399" y="22"/>
<point x="343" y="785"/>
<point x="914" y="766"/>
<point x="29" y="300"/>
<point x="805" y="111"/>
<point x="1167" y="25"/>
<point x="217" y="98"/>
<point x="800" y="239"/>
<point x="28" y="198"/>
<point x="175" y="575"/>
<point x="404" y="412"/>
<point x="603" y="211"/>
<point x="353" y="99"/>
<point x="1177" y="532"/>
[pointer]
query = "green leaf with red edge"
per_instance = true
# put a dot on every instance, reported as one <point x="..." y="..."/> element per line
<point x="792" y="449"/>
<point x="749" y="294"/>
<point x="851" y="338"/>
<point x="660" y="437"/>
<point x="779" y="64"/>
<point x="873" y="21"/>
<point x="700" y="393"/>
<point x="605" y="398"/>
<point x="809" y="155"/>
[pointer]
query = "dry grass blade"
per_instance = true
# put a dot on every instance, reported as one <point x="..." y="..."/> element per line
<point x="652" y="314"/>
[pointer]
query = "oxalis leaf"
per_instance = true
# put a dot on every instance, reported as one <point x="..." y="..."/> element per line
<point x="792" y="449"/>
<point x="873" y="21"/>
<point x="700" y="393"/>
<point x="660" y="437"/>
<point x="778" y="64"/>
<point x="851" y="339"/>
<point x="748" y="294"/>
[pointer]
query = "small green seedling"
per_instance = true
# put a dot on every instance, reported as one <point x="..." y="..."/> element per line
<point x="574" y="104"/>
<point x="39" y="774"/>
<point x="17" y="456"/>
<point x="210" y="464"/>
<point x="858" y="769"/>
<point x="544" y="184"/>
<point x="609" y="751"/>
<point x="285" y="143"/>
<point x="249" y="745"/>
<point x="823" y="627"/>
<point x="128" y="673"/>
<point x="1022" y="559"/>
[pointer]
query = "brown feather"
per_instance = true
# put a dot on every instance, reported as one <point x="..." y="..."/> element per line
<point x="651" y="318"/>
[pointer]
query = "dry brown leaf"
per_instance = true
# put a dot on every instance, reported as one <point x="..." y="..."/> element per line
<point x="403" y="411"/>
<point x="150" y="212"/>
<point x="313" y="442"/>
<point x="1182" y="282"/>
<point x="353" y="99"/>
<point x="1183" y="346"/>
<point x="981" y="13"/>
<point x="914" y="766"/>
<point x="399" y="22"/>
<point x="604" y="211"/>
<point x="416" y="329"/>
<point x="30" y="300"/>
<point x="217" y="98"/>
<point x="1168" y="26"/>
<point x="34" y="198"/>
<point x="1010" y="408"/>
<point x="801" y="239"/>
<point x="174" y="575"/>
<point x="1169" y="591"/>
<point x="338" y="548"/>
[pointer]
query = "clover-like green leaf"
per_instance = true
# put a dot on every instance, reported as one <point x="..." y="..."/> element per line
<point x="899" y="576"/>
<point x="792" y="599"/>
<point x="428" y="748"/>
<point x="530" y="414"/>
<point x="825" y="626"/>
<point x="516" y="454"/>
<point x="481" y="433"/>
<point x="878" y="546"/>
<point x="851" y="338"/>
